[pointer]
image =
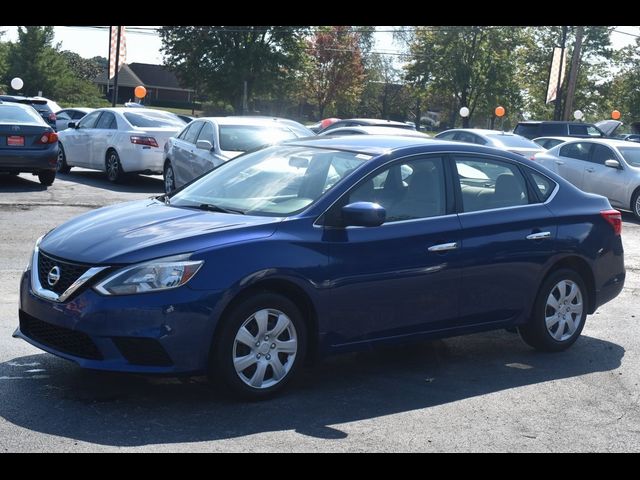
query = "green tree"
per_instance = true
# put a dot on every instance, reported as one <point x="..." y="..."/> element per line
<point x="334" y="72"/>
<point x="594" y="78"/>
<point x="83" y="68"/>
<point x="4" y="50"/>
<point x="221" y="59"/>
<point x="473" y="66"/>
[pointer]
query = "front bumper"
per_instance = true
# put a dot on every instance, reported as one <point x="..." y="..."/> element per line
<point x="164" y="332"/>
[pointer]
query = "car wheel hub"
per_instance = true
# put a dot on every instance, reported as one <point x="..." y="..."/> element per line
<point x="563" y="311"/>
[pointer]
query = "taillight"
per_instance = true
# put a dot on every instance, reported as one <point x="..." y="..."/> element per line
<point x="52" y="117"/>
<point x="48" y="137"/>
<point x="150" y="141"/>
<point x="614" y="217"/>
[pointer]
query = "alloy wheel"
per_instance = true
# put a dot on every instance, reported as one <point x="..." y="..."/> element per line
<point x="563" y="311"/>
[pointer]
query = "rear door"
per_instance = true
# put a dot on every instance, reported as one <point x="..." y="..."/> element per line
<point x="507" y="236"/>
<point x="571" y="161"/>
<point x="184" y="152"/>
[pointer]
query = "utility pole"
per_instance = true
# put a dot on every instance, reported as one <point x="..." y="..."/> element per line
<point x="115" y="77"/>
<point x="573" y="74"/>
<point x="557" y="113"/>
<point x="109" y="62"/>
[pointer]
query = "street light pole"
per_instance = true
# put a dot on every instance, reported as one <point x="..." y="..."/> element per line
<point x="115" y="77"/>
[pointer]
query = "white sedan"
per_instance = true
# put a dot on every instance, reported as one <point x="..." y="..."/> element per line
<point x="118" y="141"/>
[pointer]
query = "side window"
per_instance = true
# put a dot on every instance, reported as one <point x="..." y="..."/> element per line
<point x="90" y="120"/>
<point x="63" y="116"/>
<point x="447" y="136"/>
<point x="183" y="133"/>
<point x="487" y="183"/>
<point x="579" y="151"/>
<point x="466" y="137"/>
<point x="602" y="153"/>
<point x="543" y="185"/>
<point x="593" y="132"/>
<point x="407" y="190"/>
<point x="107" y="121"/>
<point x="206" y="133"/>
<point x="76" y="114"/>
<point x="191" y="135"/>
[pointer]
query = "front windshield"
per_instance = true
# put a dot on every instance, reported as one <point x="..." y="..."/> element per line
<point x="631" y="155"/>
<point x="276" y="181"/>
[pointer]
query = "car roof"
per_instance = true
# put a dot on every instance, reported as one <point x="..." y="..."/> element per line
<point x="481" y="131"/>
<point x="563" y="122"/>
<point x="551" y="137"/>
<point x="132" y="110"/>
<point x="24" y="106"/>
<point x="79" y="109"/>
<point x="612" y="142"/>
<point x="376" y="121"/>
<point x="382" y="144"/>
<point x="377" y="130"/>
<point x="239" y="120"/>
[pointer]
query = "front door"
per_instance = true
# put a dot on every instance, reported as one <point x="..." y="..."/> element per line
<point x="402" y="277"/>
<point x="607" y="181"/>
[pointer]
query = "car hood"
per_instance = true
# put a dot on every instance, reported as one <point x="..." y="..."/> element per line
<point x="146" y="229"/>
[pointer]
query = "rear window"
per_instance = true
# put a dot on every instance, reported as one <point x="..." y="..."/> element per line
<point x="11" y="114"/>
<point x="153" y="119"/>
<point x="512" y="140"/>
<point x="242" y="138"/>
<point x="41" y="107"/>
<point x="584" y="130"/>
<point x="529" y="130"/>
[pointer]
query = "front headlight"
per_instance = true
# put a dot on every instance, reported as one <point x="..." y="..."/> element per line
<point x="30" y="263"/>
<point x="160" y="274"/>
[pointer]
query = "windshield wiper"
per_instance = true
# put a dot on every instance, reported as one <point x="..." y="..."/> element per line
<point x="215" y="208"/>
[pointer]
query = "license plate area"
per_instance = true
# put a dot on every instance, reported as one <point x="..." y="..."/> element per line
<point x="15" y="141"/>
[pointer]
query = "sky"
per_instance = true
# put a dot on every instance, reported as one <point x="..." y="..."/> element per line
<point x="145" y="47"/>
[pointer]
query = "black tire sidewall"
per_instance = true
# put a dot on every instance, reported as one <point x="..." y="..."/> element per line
<point x="62" y="167"/>
<point x="120" y="173"/>
<point x="221" y="366"/>
<point x="47" y="177"/>
<point x="167" y="167"/>
<point x="634" y="203"/>
<point x="535" y="332"/>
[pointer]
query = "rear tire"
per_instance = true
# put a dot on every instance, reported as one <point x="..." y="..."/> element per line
<point x="169" y="178"/>
<point x="47" y="177"/>
<point x="635" y="204"/>
<point x="61" y="164"/>
<point x="559" y="313"/>
<point x="113" y="167"/>
<point x="260" y="346"/>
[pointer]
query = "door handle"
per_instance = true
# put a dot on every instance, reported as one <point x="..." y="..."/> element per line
<point x="443" y="247"/>
<point x="539" y="236"/>
<point x="558" y="162"/>
<point x="591" y="169"/>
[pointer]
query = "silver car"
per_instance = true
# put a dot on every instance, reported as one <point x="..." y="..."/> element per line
<point x="493" y="138"/>
<point x="208" y="142"/>
<point x="604" y="166"/>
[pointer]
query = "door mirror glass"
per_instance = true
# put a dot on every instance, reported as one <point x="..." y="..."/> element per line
<point x="363" y="214"/>
<point x="204" y="145"/>
<point x="612" y="163"/>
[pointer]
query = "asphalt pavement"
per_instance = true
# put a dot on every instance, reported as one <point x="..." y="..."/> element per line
<point x="485" y="392"/>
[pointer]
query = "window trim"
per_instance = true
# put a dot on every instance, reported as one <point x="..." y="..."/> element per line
<point x="448" y="193"/>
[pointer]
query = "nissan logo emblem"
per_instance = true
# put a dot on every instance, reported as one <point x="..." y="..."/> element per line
<point x="53" y="276"/>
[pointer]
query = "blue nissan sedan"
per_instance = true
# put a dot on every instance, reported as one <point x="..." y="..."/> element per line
<point x="319" y="246"/>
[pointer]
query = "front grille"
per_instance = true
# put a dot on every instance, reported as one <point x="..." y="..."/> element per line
<point x="69" y="272"/>
<point x="59" y="338"/>
<point x="143" y="351"/>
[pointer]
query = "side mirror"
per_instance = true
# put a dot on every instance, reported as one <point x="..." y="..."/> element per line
<point x="363" y="214"/>
<point x="613" y="164"/>
<point x="204" y="145"/>
<point x="72" y="125"/>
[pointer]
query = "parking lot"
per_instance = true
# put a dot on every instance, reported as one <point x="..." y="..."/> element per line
<point x="483" y="392"/>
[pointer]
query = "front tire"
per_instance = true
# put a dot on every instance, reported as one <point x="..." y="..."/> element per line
<point x="61" y="164"/>
<point x="47" y="177"/>
<point x="169" y="178"/>
<point x="559" y="313"/>
<point x="260" y="346"/>
<point x="113" y="167"/>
